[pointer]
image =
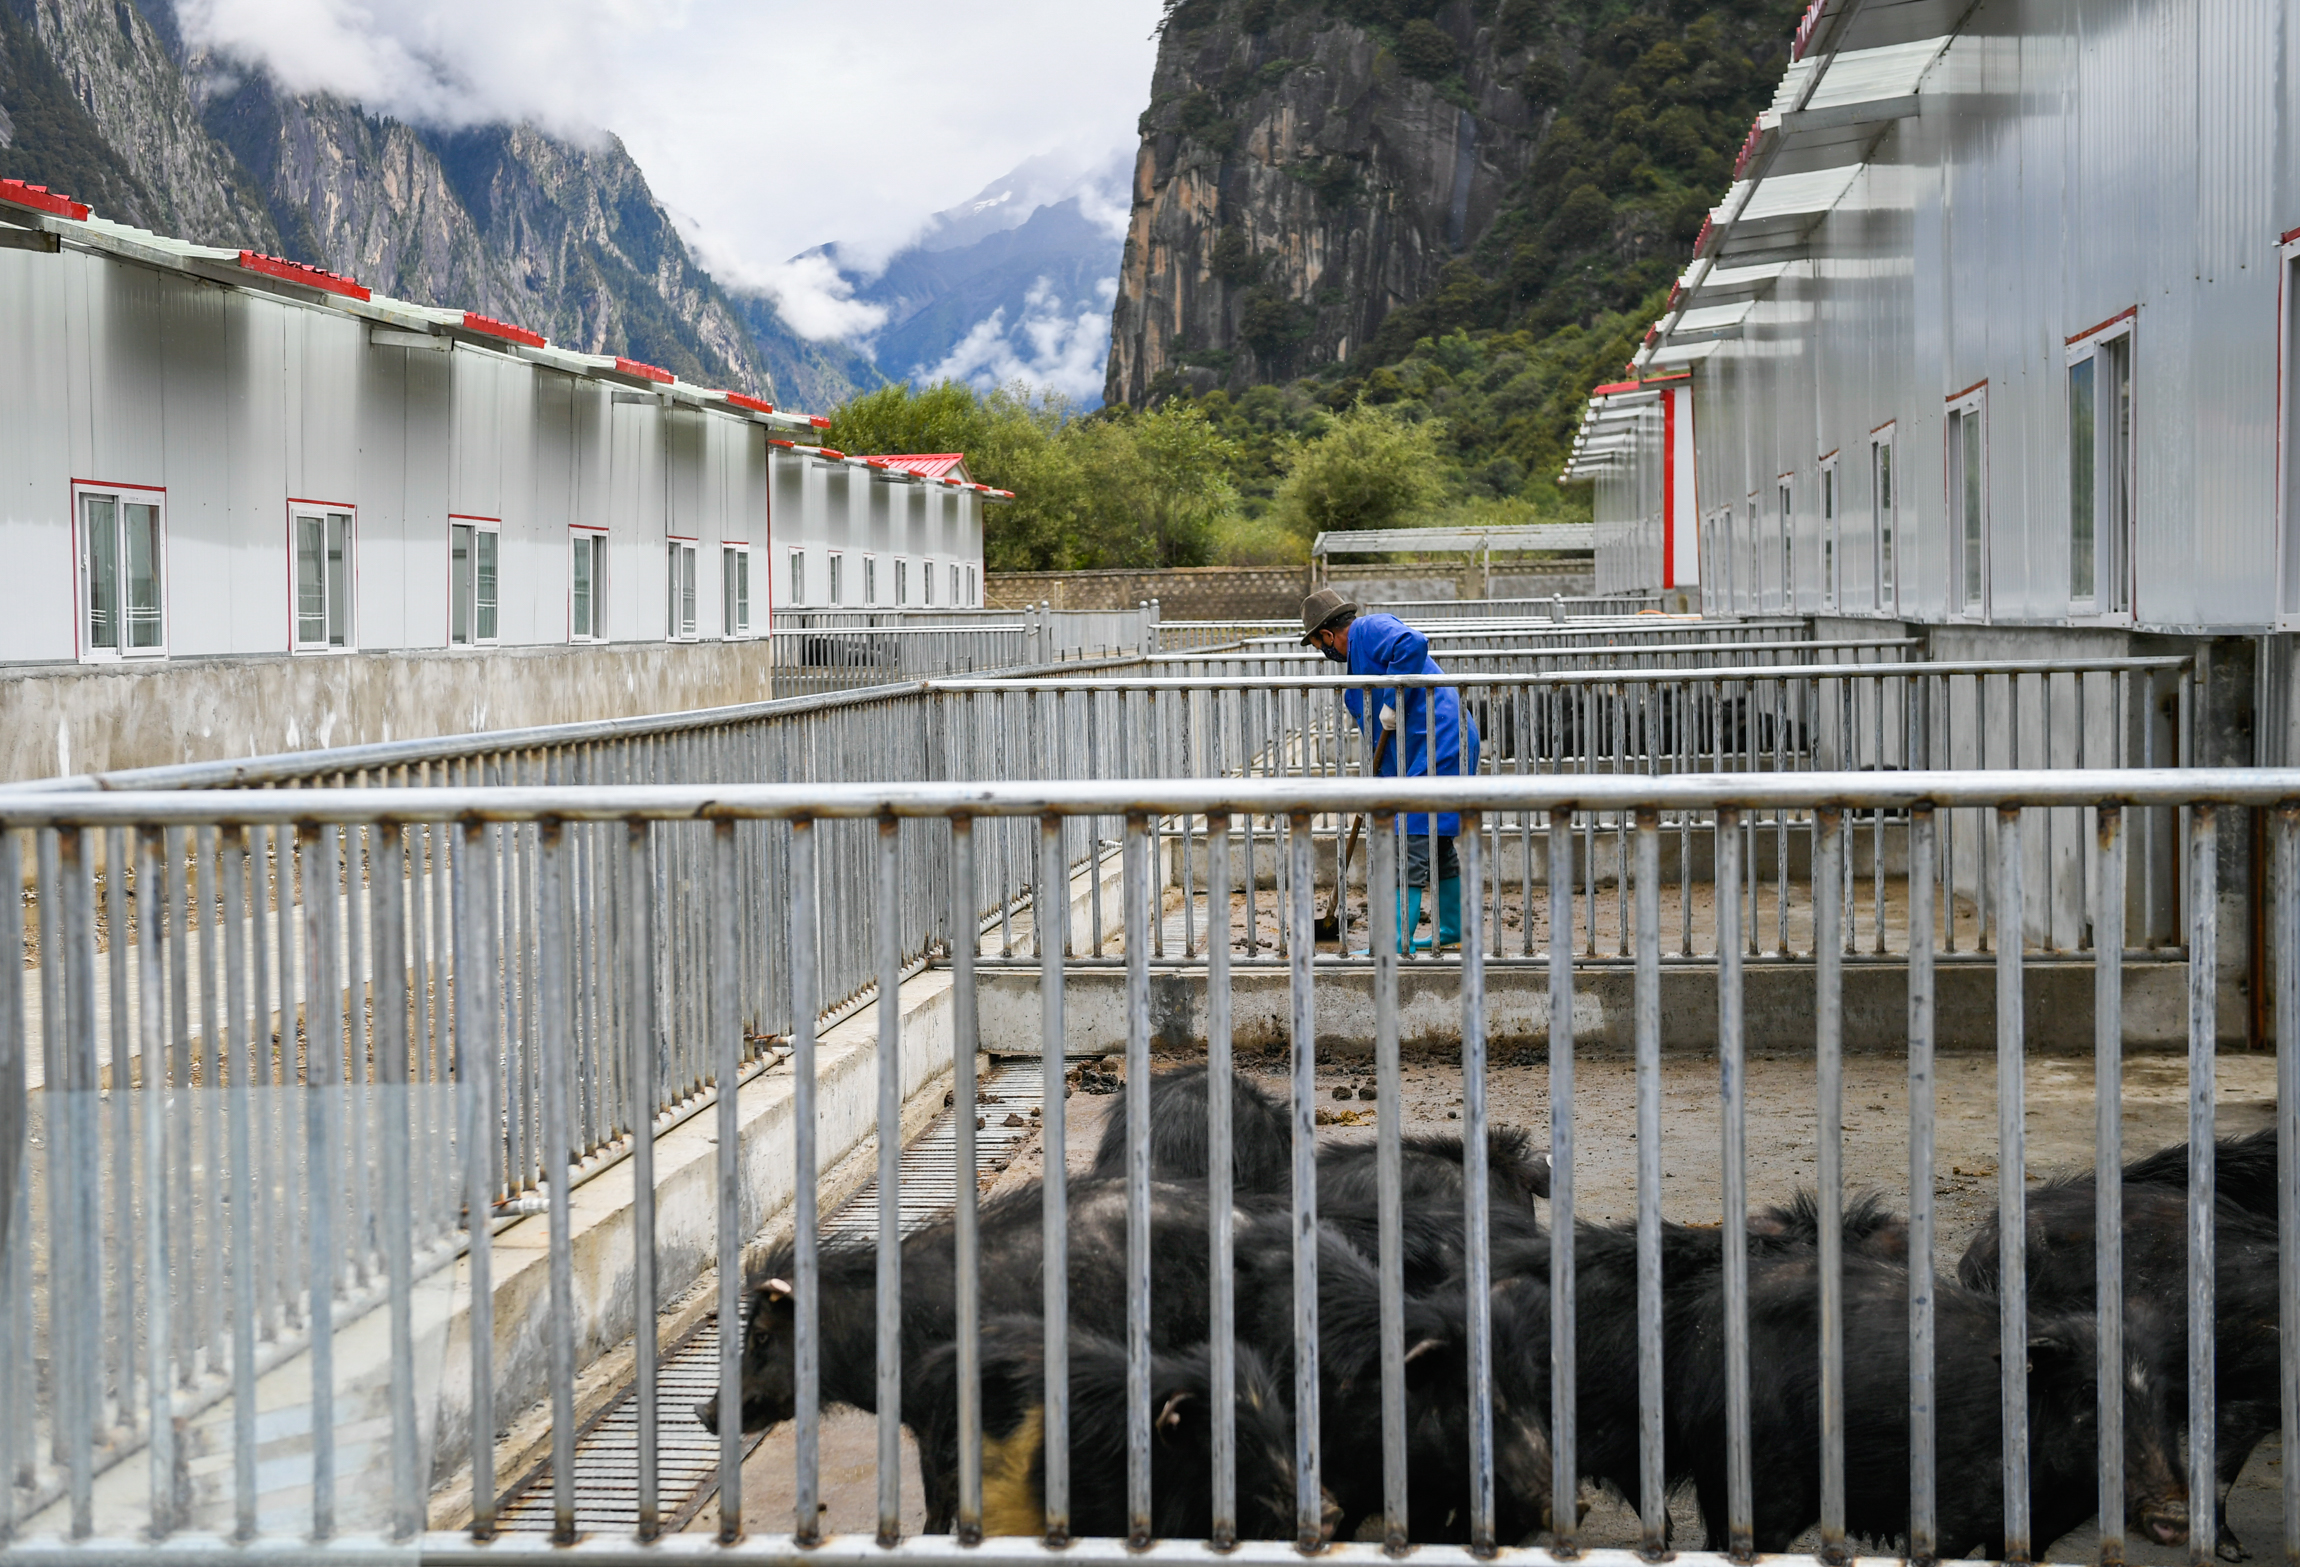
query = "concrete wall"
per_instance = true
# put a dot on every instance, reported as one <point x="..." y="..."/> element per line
<point x="60" y="719"/>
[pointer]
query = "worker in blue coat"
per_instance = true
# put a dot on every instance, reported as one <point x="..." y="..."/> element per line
<point x="1385" y="645"/>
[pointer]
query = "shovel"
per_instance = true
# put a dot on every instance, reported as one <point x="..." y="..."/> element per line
<point x="1328" y="926"/>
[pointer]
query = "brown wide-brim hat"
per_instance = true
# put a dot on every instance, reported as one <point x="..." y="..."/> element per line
<point x="1321" y="609"/>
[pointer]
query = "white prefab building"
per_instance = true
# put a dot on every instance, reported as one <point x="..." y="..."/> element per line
<point x="1987" y="332"/>
<point x="211" y="455"/>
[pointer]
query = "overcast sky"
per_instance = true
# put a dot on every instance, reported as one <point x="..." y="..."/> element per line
<point x="766" y="126"/>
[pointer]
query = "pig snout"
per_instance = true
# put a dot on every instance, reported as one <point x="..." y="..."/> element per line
<point x="707" y="1413"/>
<point x="2164" y="1519"/>
<point x="1329" y="1514"/>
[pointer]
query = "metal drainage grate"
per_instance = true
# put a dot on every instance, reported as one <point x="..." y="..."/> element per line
<point x="687" y="1456"/>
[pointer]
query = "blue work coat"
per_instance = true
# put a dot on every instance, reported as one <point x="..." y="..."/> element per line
<point x="1386" y="645"/>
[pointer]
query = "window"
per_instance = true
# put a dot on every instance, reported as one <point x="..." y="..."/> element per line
<point x="956" y="597"/>
<point x="926" y="583"/>
<point x="587" y="588"/>
<point x="870" y="579"/>
<point x="2100" y="470"/>
<point x="1830" y="556"/>
<point x="472" y="543"/>
<point x="122" y="595"/>
<point x="798" y="576"/>
<point x="901" y="583"/>
<point x="323" y="545"/>
<point x="679" y="591"/>
<point x="1881" y="519"/>
<point x="735" y="589"/>
<point x="1788" y="598"/>
<point x="834" y="598"/>
<point x="1753" y="592"/>
<point x="973" y="588"/>
<point x="1968" y="504"/>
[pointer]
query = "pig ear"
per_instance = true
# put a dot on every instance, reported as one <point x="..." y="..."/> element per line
<point x="1172" y="1417"/>
<point x="778" y="1290"/>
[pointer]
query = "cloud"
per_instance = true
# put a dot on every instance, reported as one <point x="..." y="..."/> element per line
<point x="776" y="132"/>
<point x="815" y="300"/>
<point x="444" y="63"/>
<point x="1054" y="346"/>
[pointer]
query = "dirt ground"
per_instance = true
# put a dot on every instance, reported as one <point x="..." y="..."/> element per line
<point x="1781" y="1125"/>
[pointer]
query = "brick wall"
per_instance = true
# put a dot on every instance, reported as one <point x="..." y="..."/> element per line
<point x="1267" y="592"/>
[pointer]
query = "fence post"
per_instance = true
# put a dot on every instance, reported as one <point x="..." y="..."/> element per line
<point x="1149" y="627"/>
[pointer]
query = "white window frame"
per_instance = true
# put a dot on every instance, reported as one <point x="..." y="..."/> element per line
<point x="833" y="586"/>
<point x="121" y="496"/>
<point x="870" y="581"/>
<point x="798" y="578"/>
<point x="1832" y="535"/>
<point x="478" y="527"/>
<point x="1785" y="519"/>
<point x="682" y="593"/>
<point x="2108" y="348"/>
<point x="901" y="582"/>
<point x="734" y="595"/>
<point x="1753" y="595"/>
<point x="2287" y="409"/>
<point x="973" y="587"/>
<point x="595" y="539"/>
<point x="957" y="591"/>
<point x="336" y="592"/>
<point x="1968" y="584"/>
<point x="1884" y="522"/>
<point x="926" y="584"/>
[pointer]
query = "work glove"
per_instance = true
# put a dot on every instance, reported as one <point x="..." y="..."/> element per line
<point x="1389" y="718"/>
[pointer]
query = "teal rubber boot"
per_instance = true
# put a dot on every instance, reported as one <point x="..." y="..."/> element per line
<point x="1449" y="913"/>
<point x="1409" y="918"/>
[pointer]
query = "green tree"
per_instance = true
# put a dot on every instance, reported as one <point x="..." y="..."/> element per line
<point x="1373" y="468"/>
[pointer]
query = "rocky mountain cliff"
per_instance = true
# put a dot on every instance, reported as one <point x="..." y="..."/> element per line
<point x="1324" y="181"/>
<point x="97" y="97"/>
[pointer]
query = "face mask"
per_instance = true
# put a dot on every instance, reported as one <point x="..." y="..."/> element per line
<point x="1332" y="657"/>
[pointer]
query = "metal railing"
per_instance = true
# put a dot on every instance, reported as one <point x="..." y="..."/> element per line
<point x="1563" y="1353"/>
<point x="1794" y="716"/>
<point x="817" y="661"/>
<point x="1543" y="607"/>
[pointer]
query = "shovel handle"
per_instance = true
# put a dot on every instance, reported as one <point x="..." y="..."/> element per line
<point x="1350" y="843"/>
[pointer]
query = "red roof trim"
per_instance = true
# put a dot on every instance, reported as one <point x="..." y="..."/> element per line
<point x="1802" y="39"/>
<point x="776" y="440"/>
<point x="1613" y="386"/>
<point x="830" y="454"/>
<point x="644" y="371"/>
<point x="41" y="199"/>
<point x="2128" y="313"/>
<point x="488" y="326"/>
<point x="296" y="272"/>
<point x="818" y="421"/>
<point x="743" y="400"/>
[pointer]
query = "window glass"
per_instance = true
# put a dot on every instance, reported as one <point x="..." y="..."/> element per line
<point x="926" y="583"/>
<point x="100" y="570"/>
<point x="902" y="582"/>
<point x="310" y="581"/>
<point x="462" y="582"/>
<point x="2082" y="578"/>
<point x="955" y="596"/>
<point x="483" y="597"/>
<point x="140" y="521"/>
<point x="1881" y="482"/>
<point x="870" y="579"/>
<point x="1829" y="536"/>
<point x="1788" y="599"/>
<point x="1970" y="489"/>
<point x="583" y="622"/>
<point x="735" y="591"/>
<point x="338" y="579"/>
<point x="798" y="576"/>
<point x="679" y="590"/>
<point x="833" y="585"/>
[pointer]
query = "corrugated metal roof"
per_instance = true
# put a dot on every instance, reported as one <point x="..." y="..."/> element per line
<point x="929" y="465"/>
<point x="36" y="208"/>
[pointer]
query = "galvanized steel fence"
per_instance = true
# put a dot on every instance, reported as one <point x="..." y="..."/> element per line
<point x="328" y="1171"/>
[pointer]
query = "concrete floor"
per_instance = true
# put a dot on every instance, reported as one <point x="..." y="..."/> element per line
<point x="1781" y="1128"/>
